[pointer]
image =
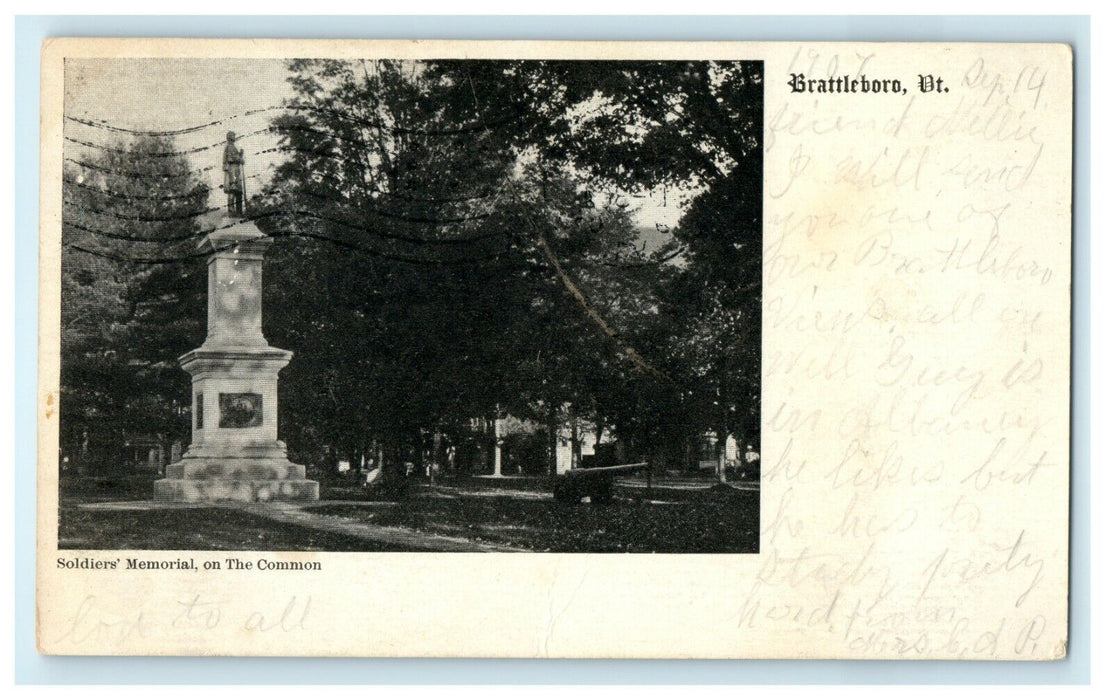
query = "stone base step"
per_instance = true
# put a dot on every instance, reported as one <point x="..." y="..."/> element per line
<point x="241" y="490"/>
<point x="235" y="469"/>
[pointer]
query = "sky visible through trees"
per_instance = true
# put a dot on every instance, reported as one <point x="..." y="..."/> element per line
<point x="178" y="94"/>
<point x="455" y="240"/>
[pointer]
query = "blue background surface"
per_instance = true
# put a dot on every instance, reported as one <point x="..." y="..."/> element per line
<point x="30" y="667"/>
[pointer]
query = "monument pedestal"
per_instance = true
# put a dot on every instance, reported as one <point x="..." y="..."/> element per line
<point x="235" y="454"/>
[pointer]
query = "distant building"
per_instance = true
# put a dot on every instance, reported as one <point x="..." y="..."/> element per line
<point x="148" y="452"/>
<point x="735" y="455"/>
<point x="709" y="453"/>
<point x="577" y="448"/>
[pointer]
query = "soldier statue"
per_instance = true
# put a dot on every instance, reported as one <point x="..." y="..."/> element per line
<point x="233" y="175"/>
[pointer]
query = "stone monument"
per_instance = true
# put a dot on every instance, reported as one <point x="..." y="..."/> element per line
<point x="235" y="454"/>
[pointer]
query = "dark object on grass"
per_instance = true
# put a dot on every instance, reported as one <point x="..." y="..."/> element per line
<point x="381" y="486"/>
<point x="595" y="482"/>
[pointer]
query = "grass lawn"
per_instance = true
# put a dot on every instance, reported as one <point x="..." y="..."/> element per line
<point x="514" y="512"/>
<point x="218" y="529"/>
<point x="200" y="528"/>
<point x="709" y="520"/>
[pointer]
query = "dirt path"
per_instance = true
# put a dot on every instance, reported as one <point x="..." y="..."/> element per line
<point x="294" y="514"/>
<point x="398" y="536"/>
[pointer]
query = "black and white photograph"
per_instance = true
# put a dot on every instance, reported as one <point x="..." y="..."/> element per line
<point x="399" y="305"/>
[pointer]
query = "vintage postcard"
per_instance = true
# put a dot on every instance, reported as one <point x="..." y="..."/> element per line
<point x="554" y="349"/>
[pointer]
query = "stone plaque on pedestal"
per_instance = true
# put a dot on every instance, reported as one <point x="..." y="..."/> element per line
<point x="241" y="410"/>
<point x="235" y="454"/>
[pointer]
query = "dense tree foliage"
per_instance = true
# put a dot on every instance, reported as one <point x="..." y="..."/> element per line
<point x="431" y="301"/>
<point x="125" y="324"/>
<point x="692" y="126"/>
<point x="453" y="244"/>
